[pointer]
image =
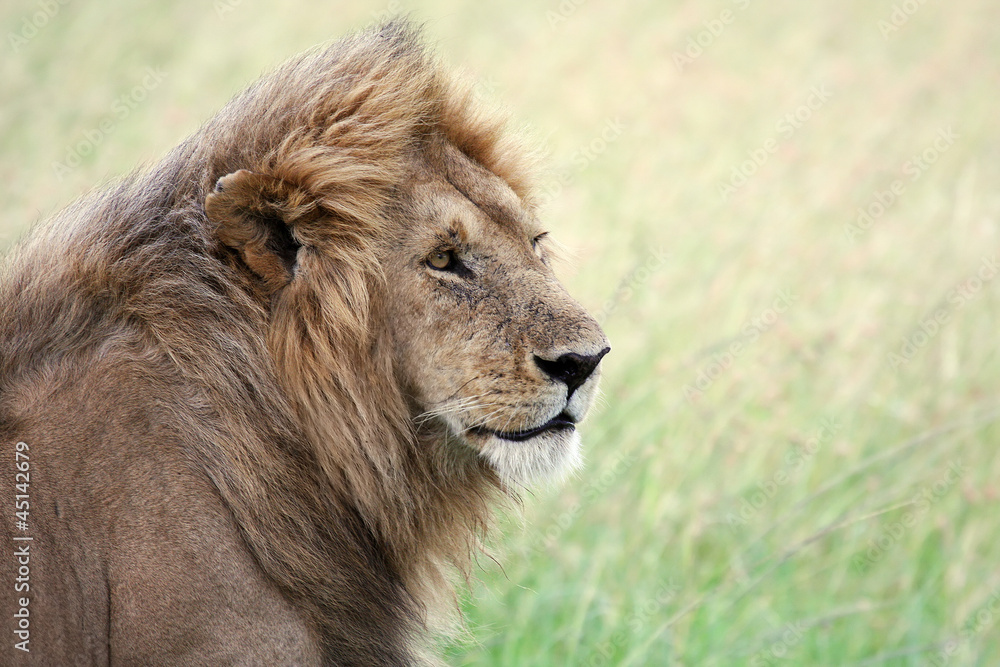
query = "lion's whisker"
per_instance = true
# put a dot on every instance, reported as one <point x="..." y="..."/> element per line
<point x="482" y="420"/>
<point x="453" y="408"/>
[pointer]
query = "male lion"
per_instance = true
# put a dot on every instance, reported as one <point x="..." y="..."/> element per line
<point x="263" y="394"/>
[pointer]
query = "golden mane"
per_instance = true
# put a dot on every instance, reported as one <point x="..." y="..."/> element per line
<point x="338" y="128"/>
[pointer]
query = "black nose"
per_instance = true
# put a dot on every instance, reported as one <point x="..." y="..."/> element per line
<point x="571" y="368"/>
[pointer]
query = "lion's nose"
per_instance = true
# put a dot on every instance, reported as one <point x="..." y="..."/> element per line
<point x="571" y="368"/>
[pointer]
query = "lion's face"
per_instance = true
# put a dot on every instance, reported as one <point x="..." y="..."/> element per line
<point x="488" y="342"/>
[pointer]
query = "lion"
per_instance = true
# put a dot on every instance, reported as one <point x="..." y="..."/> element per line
<point x="263" y="397"/>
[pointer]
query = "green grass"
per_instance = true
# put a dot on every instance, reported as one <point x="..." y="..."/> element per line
<point x="715" y="526"/>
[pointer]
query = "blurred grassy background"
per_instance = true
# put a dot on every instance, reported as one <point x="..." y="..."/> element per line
<point x="795" y="459"/>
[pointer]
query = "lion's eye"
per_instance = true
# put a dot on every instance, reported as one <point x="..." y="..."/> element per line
<point x="442" y="260"/>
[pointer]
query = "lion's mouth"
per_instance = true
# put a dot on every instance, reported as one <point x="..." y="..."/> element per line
<point x="562" y="421"/>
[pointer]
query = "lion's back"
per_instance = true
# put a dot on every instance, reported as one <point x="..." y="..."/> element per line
<point x="119" y="522"/>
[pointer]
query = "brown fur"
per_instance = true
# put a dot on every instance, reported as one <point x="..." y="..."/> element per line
<point x="261" y="428"/>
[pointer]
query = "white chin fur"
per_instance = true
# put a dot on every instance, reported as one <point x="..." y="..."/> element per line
<point x="550" y="457"/>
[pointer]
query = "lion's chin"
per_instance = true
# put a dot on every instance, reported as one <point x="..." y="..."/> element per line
<point x="549" y="456"/>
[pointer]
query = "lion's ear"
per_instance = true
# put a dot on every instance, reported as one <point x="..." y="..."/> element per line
<point x="253" y="214"/>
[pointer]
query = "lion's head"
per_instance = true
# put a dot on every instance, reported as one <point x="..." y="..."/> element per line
<point x="411" y="209"/>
